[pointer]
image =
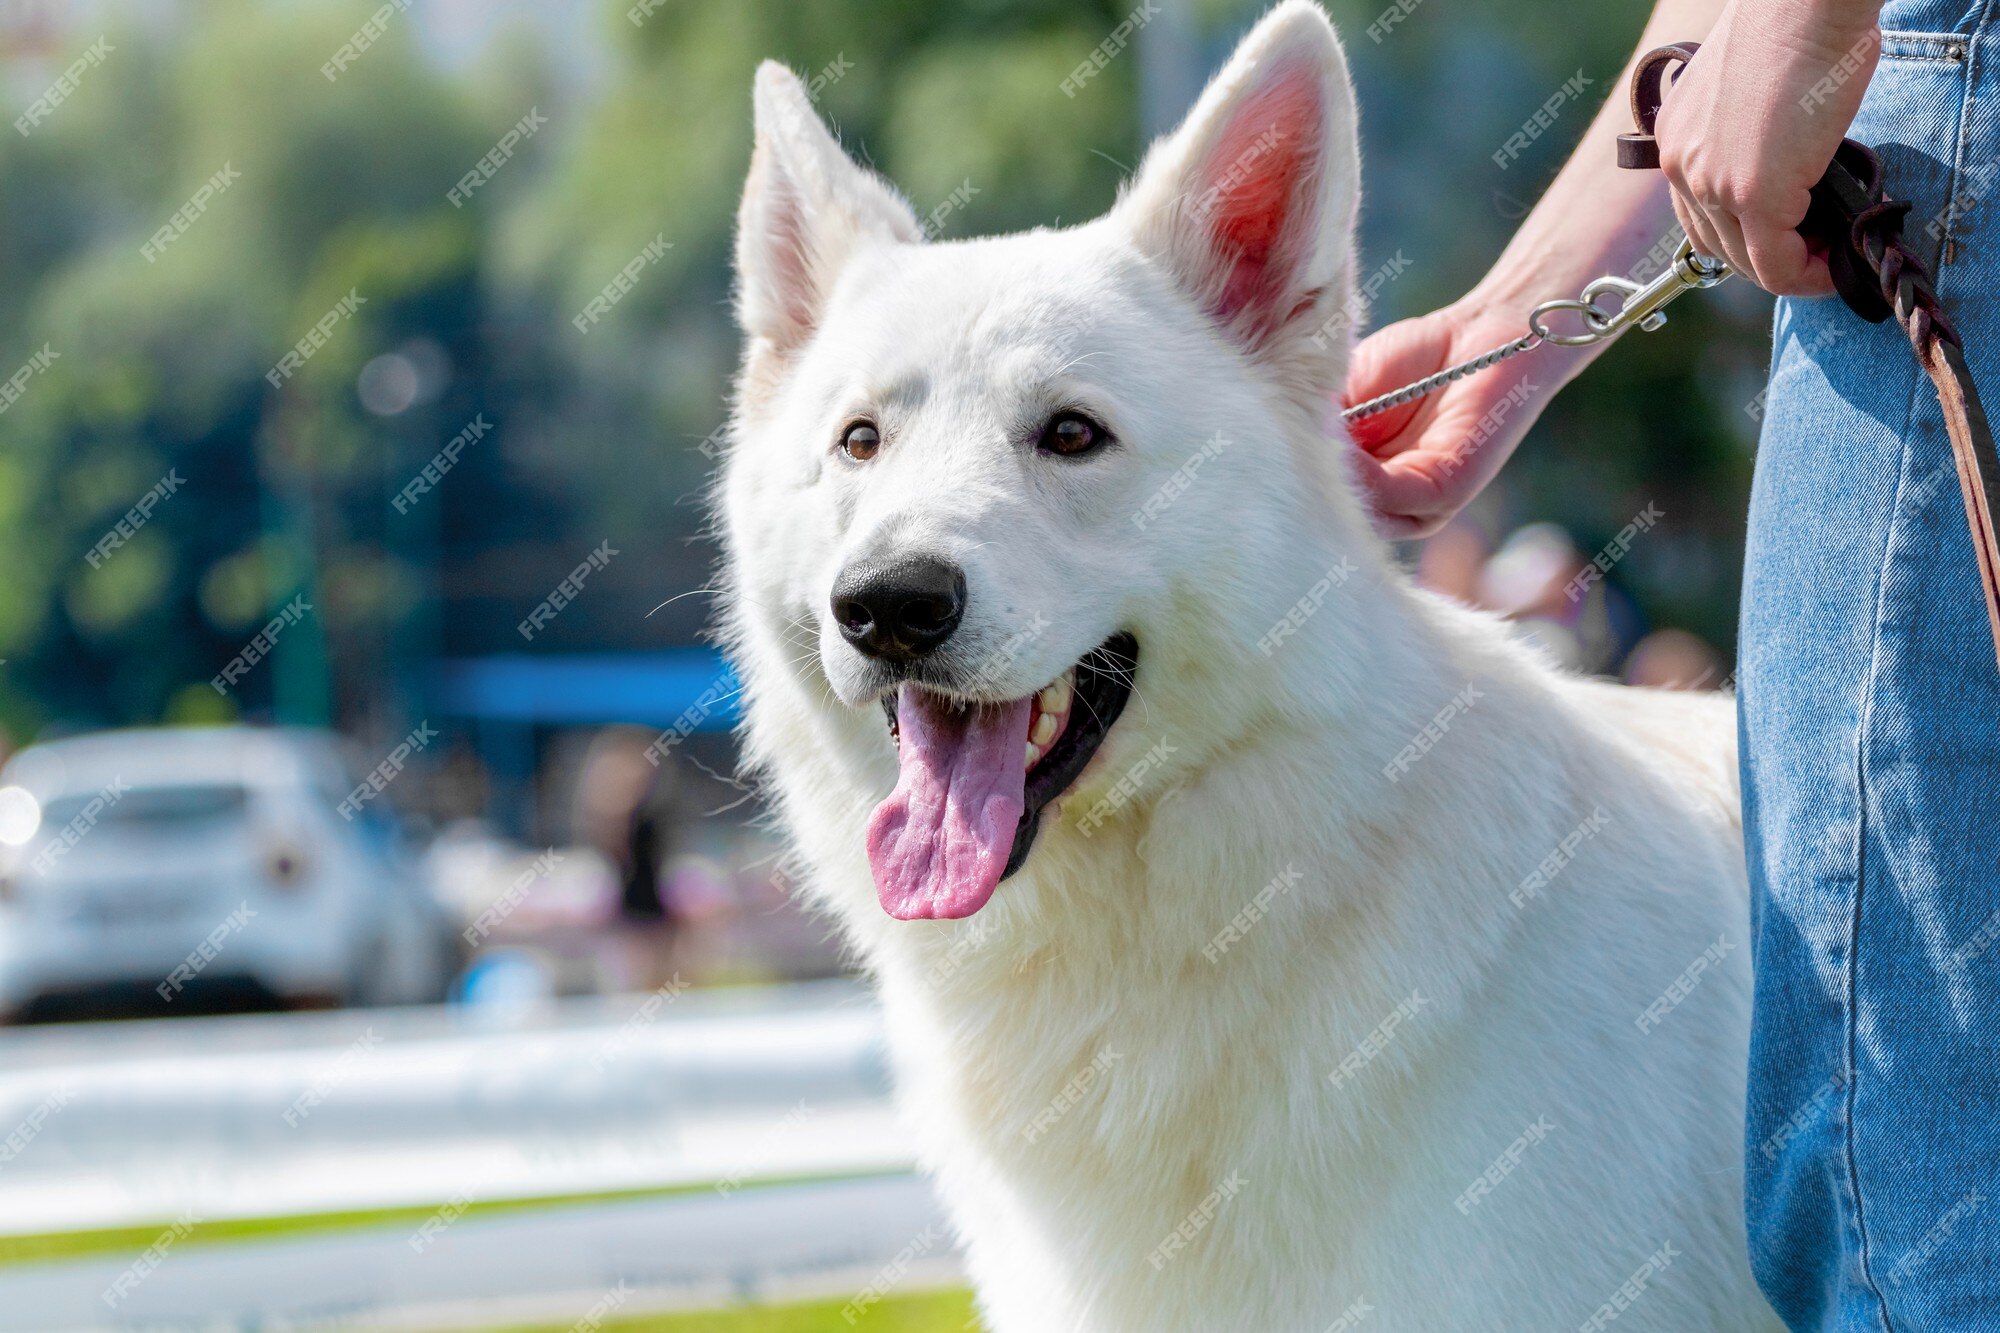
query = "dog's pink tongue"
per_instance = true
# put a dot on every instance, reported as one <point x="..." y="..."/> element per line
<point x="938" y="845"/>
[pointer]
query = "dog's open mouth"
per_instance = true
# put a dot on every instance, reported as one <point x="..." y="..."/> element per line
<point x="975" y="778"/>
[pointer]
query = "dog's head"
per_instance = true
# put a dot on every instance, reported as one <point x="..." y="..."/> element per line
<point x="988" y="486"/>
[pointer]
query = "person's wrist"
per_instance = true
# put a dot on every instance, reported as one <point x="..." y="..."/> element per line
<point x="1829" y="26"/>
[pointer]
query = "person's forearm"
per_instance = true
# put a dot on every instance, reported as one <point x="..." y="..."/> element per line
<point x="1596" y="217"/>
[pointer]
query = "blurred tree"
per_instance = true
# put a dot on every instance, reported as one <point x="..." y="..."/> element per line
<point x="465" y="313"/>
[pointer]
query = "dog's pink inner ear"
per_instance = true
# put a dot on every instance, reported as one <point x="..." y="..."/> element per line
<point x="1256" y="195"/>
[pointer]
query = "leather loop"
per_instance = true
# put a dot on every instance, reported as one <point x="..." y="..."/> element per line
<point x="1640" y="151"/>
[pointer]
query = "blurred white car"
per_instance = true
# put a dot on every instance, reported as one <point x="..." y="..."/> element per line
<point x="149" y="863"/>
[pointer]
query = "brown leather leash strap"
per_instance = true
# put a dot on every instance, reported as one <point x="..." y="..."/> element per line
<point x="1860" y="230"/>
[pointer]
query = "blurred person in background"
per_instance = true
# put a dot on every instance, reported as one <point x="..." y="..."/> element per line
<point x="1673" y="659"/>
<point x="1867" y="680"/>
<point x="625" y="808"/>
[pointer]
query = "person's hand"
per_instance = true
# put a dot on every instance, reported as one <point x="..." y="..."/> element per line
<point x="1421" y="463"/>
<point x="1751" y="123"/>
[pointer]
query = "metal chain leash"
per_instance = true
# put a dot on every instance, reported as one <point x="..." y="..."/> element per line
<point x="1642" y="304"/>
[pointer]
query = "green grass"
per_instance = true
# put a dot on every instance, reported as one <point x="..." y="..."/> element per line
<point x="50" y="1246"/>
<point x="931" y="1312"/>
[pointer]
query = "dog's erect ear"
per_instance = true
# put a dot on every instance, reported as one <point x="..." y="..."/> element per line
<point x="1250" y="203"/>
<point x="806" y="206"/>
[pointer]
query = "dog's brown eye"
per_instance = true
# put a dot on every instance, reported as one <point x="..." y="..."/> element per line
<point x="1070" y="434"/>
<point x="860" y="442"/>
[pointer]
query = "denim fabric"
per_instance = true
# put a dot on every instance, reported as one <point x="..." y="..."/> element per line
<point x="1871" y="758"/>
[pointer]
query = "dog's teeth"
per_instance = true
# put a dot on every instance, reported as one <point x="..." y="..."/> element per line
<point x="1045" y="730"/>
<point x="1034" y="752"/>
<point x="1055" y="698"/>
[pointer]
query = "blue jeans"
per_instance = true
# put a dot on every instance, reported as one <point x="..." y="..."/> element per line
<point x="1871" y="758"/>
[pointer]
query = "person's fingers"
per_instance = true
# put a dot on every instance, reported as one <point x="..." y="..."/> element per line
<point x="1399" y="505"/>
<point x="1729" y="235"/>
<point x="1695" y="224"/>
<point x="1782" y="261"/>
<point x="1417" y="492"/>
<point x="1399" y="354"/>
<point x="1383" y="432"/>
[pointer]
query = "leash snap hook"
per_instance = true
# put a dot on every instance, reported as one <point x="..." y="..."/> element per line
<point x="1640" y="305"/>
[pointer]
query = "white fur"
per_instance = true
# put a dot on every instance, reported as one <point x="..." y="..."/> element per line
<point x="1208" y="1066"/>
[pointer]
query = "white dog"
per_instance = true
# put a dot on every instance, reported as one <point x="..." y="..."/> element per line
<point x="1266" y="944"/>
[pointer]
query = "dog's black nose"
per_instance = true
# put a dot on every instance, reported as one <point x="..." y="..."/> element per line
<point x="899" y="612"/>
